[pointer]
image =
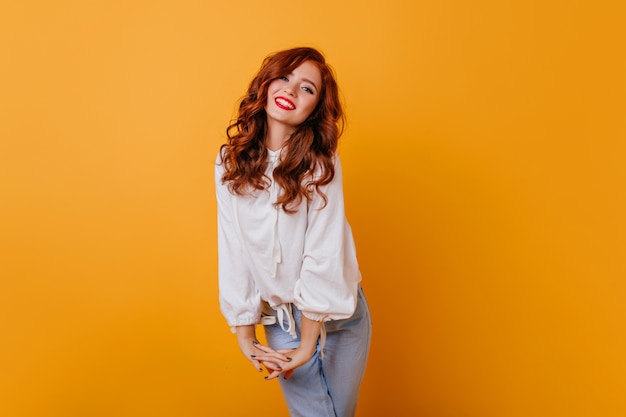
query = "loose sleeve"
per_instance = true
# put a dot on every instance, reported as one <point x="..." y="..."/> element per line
<point x="239" y="298"/>
<point x="329" y="278"/>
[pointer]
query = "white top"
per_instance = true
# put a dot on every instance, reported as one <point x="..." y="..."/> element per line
<point x="307" y="258"/>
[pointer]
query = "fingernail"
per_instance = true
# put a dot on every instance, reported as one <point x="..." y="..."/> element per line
<point x="265" y="377"/>
<point x="288" y="358"/>
<point x="260" y="369"/>
<point x="294" y="348"/>
<point x="254" y="342"/>
<point x="253" y="356"/>
<point x="279" y="368"/>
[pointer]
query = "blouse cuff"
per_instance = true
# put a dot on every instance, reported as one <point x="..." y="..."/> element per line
<point x="246" y="322"/>
<point x="316" y="316"/>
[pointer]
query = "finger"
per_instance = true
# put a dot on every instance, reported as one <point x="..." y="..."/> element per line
<point x="257" y="365"/>
<point x="282" y="356"/>
<point x="272" y="357"/>
<point x="274" y="362"/>
<point x="262" y="348"/>
<point x="271" y="367"/>
<point x="287" y="355"/>
<point x="273" y="375"/>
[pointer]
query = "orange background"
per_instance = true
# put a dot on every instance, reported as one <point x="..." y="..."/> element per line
<point x="485" y="178"/>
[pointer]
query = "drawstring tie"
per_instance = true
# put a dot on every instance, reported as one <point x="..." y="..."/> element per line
<point x="283" y="311"/>
<point x="276" y="250"/>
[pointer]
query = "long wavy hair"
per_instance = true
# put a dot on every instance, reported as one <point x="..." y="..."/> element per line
<point x="307" y="157"/>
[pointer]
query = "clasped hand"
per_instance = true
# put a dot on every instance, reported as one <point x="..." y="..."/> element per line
<point x="277" y="361"/>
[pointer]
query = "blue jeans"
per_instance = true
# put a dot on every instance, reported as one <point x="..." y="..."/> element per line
<point x="327" y="387"/>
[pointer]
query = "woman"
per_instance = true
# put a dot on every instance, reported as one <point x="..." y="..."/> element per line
<point x="286" y="253"/>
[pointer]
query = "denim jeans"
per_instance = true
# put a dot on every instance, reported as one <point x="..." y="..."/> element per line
<point x="327" y="387"/>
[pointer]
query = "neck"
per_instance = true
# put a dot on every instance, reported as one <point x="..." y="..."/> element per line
<point x="276" y="135"/>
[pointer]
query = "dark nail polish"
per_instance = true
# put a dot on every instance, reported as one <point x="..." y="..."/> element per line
<point x="288" y="358"/>
<point x="265" y="377"/>
<point x="253" y="356"/>
<point x="254" y="342"/>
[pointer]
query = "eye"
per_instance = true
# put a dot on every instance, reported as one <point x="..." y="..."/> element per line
<point x="308" y="90"/>
<point x="283" y="78"/>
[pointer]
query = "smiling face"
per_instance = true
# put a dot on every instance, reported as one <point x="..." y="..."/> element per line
<point x="292" y="98"/>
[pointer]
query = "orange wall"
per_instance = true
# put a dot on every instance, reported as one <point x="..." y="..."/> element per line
<point x="485" y="180"/>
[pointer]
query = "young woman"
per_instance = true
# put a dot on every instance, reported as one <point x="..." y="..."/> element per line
<point x="286" y="253"/>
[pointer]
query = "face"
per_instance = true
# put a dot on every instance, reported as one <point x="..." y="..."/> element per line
<point x="292" y="98"/>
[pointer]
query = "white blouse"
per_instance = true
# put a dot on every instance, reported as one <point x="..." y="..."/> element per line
<point x="307" y="258"/>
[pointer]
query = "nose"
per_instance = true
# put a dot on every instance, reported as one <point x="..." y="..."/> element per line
<point x="289" y="90"/>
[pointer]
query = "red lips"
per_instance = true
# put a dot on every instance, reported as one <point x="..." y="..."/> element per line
<point x="284" y="103"/>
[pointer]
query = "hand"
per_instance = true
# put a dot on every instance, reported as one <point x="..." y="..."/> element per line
<point x="246" y="338"/>
<point x="286" y="360"/>
<point x="276" y="362"/>
<point x="282" y="360"/>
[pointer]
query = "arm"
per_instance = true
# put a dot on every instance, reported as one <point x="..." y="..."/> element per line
<point x="239" y="299"/>
<point x="329" y="277"/>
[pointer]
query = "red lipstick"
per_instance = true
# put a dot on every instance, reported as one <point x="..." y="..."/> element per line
<point x="284" y="103"/>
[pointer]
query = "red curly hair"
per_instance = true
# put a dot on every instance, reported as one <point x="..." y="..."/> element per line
<point x="307" y="157"/>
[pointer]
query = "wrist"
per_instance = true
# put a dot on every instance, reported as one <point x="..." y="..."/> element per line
<point x="309" y="335"/>
<point x="245" y="334"/>
<point x="307" y="349"/>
